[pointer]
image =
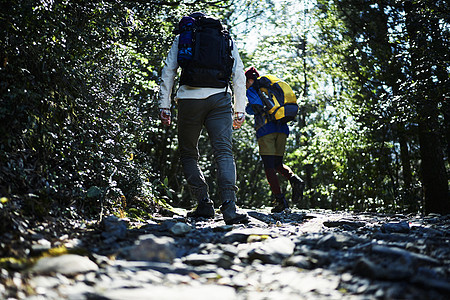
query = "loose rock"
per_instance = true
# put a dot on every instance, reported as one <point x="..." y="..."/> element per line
<point x="68" y="264"/>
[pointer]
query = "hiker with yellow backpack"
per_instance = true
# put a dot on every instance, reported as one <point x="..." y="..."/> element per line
<point x="273" y="104"/>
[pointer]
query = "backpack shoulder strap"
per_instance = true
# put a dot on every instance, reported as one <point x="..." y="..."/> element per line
<point x="263" y="82"/>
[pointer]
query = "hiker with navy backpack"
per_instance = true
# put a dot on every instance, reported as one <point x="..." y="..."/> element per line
<point x="273" y="104"/>
<point x="208" y="59"/>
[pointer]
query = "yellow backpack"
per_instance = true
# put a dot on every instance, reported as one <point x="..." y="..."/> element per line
<point x="279" y="100"/>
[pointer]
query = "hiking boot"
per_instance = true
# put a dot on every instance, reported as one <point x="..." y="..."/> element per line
<point x="230" y="215"/>
<point x="298" y="186"/>
<point x="204" y="209"/>
<point x="280" y="204"/>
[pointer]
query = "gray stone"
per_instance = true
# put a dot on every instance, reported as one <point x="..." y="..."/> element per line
<point x="180" y="229"/>
<point x="44" y="282"/>
<point x="317" y="281"/>
<point x="41" y="245"/>
<point x="400" y="227"/>
<point x="241" y="235"/>
<point x="298" y="261"/>
<point x="153" y="248"/>
<point x="319" y="257"/>
<point x="365" y="267"/>
<point x="115" y="228"/>
<point x="348" y="225"/>
<point x="73" y="243"/>
<point x="204" y="292"/>
<point x="405" y="254"/>
<point x="164" y="268"/>
<point x="224" y="228"/>
<point x="68" y="264"/>
<point x="229" y="250"/>
<point x="393" y="271"/>
<point x="328" y="241"/>
<point x="202" y="259"/>
<point x="78" y="290"/>
<point x="273" y="250"/>
<point x="432" y="283"/>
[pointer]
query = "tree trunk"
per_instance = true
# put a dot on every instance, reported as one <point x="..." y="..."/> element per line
<point x="434" y="177"/>
<point x="446" y="109"/>
<point x="412" y="205"/>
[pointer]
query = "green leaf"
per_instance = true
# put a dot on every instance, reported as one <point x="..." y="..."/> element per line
<point x="94" y="192"/>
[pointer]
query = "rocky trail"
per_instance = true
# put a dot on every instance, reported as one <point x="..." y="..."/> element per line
<point x="300" y="254"/>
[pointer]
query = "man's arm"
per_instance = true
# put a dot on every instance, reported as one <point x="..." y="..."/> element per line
<point x="168" y="76"/>
<point x="239" y="89"/>
<point x="167" y="80"/>
<point x="238" y="82"/>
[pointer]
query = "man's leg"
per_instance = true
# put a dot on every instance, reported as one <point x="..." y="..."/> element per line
<point x="219" y="125"/>
<point x="191" y="115"/>
<point x="219" y="122"/>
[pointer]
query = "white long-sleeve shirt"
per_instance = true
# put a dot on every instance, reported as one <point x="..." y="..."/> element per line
<point x="188" y="92"/>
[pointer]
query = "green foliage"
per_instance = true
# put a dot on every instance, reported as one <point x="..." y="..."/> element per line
<point x="78" y="82"/>
<point x="351" y="64"/>
<point x="368" y="54"/>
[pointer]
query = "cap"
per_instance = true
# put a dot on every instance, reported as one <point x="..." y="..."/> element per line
<point x="252" y="73"/>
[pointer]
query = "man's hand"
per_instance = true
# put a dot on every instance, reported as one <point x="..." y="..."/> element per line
<point x="164" y="115"/>
<point x="238" y="120"/>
